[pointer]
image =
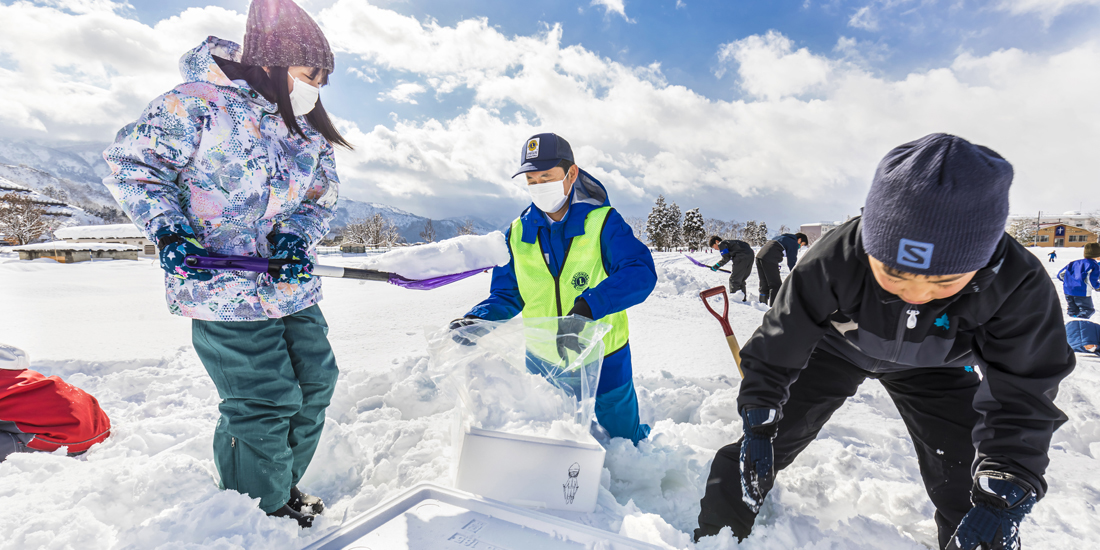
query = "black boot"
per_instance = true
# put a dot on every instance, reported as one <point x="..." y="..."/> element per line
<point x="304" y="520"/>
<point x="306" y="504"/>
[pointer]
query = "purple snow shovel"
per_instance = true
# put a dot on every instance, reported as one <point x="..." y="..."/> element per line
<point x="271" y="266"/>
<point x="701" y="264"/>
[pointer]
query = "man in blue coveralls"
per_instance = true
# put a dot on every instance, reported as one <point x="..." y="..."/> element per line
<point x="572" y="254"/>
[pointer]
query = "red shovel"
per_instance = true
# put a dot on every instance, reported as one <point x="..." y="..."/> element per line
<point x="725" y="321"/>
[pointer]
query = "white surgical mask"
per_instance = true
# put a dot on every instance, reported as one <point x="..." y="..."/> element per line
<point x="549" y="196"/>
<point x="303" y="98"/>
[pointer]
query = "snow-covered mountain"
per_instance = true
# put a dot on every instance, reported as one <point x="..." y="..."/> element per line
<point x="408" y="224"/>
<point x="78" y="170"/>
<point x="65" y="213"/>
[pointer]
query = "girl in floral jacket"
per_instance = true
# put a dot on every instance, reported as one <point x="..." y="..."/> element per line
<point x="238" y="160"/>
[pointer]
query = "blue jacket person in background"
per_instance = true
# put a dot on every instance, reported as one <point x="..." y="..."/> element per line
<point x="768" y="258"/>
<point x="1076" y="279"/>
<point x="571" y="220"/>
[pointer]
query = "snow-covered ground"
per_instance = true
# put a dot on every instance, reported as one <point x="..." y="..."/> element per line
<point x="104" y="327"/>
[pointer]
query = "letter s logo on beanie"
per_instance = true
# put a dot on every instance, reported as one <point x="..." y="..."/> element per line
<point x="915" y="254"/>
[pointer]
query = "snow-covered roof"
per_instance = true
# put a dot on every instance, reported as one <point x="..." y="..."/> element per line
<point x="65" y="245"/>
<point x="114" y="231"/>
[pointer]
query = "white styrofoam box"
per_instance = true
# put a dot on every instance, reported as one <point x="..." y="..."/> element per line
<point x="428" y="517"/>
<point x="531" y="471"/>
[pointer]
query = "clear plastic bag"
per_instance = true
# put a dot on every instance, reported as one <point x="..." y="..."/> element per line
<point x="532" y="376"/>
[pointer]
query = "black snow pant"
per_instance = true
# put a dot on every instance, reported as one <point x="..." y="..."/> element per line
<point x="936" y="405"/>
<point x="767" y="269"/>
<point x="740" y="268"/>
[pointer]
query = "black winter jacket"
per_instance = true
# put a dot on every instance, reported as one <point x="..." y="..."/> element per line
<point x="732" y="248"/>
<point x="1007" y="321"/>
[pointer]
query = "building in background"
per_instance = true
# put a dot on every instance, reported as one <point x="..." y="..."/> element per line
<point x="122" y="233"/>
<point x="1060" y="235"/>
<point x="815" y="231"/>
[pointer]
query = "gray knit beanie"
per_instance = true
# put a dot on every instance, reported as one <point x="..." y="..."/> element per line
<point x="281" y="34"/>
<point x="937" y="206"/>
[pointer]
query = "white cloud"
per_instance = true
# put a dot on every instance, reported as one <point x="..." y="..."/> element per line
<point x="681" y="4"/>
<point x="864" y="18"/>
<point x="615" y="6"/>
<point x="403" y="93"/>
<point x="811" y="128"/>
<point x="770" y="67"/>
<point x="814" y="128"/>
<point x="82" y="69"/>
<point x="1046" y="9"/>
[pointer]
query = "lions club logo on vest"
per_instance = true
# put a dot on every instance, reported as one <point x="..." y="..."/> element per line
<point x="533" y="148"/>
<point x="580" y="281"/>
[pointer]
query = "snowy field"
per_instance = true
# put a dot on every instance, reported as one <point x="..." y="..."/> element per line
<point x="104" y="327"/>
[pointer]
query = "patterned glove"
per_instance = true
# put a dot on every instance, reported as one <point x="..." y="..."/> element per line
<point x="1000" y="501"/>
<point x="176" y="242"/>
<point x="287" y="246"/>
<point x="715" y="267"/>
<point x="757" y="456"/>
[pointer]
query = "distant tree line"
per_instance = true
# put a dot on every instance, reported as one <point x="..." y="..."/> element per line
<point x="666" y="229"/>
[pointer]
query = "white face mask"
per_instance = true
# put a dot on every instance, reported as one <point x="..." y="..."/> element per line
<point x="549" y="196"/>
<point x="303" y="98"/>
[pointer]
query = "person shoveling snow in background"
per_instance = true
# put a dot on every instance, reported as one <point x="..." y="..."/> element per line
<point x="572" y="254"/>
<point x="239" y="160"/>
<point x="740" y="253"/>
<point x="767" y="262"/>
<point x="1079" y="278"/>
<point x="959" y="322"/>
<point x="39" y="413"/>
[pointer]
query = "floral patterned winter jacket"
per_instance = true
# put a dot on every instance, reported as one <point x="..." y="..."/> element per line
<point x="215" y="155"/>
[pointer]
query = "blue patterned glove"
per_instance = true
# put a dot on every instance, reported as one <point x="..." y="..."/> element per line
<point x="1000" y="501"/>
<point x="176" y="243"/>
<point x="287" y="246"/>
<point x="715" y="267"/>
<point x="757" y="456"/>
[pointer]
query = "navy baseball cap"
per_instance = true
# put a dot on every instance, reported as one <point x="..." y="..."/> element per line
<point x="542" y="152"/>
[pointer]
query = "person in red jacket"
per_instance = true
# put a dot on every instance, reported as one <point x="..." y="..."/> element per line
<point x="39" y="413"/>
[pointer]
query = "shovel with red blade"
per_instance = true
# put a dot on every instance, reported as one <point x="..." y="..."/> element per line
<point x="724" y="319"/>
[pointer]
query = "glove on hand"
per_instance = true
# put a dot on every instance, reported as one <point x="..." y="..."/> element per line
<point x="1000" y="501"/>
<point x="757" y="456"/>
<point x="287" y="246"/>
<point x="715" y="267"/>
<point x="464" y="336"/>
<point x="176" y="242"/>
<point x="570" y="326"/>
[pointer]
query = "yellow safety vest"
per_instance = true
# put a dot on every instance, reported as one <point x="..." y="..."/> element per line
<point x="545" y="296"/>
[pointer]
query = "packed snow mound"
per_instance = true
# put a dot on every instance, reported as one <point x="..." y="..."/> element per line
<point x="13" y="358"/>
<point x="464" y="253"/>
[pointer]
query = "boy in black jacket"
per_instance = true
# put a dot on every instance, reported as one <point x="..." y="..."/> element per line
<point x="740" y="253"/>
<point x="767" y="262"/>
<point x="962" y="326"/>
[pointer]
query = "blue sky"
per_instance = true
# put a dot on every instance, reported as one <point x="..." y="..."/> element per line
<point x="769" y="109"/>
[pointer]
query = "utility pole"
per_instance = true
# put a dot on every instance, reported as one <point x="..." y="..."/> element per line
<point x="1037" y="218"/>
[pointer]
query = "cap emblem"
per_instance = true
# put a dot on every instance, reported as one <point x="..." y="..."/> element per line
<point x="533" y="148"/>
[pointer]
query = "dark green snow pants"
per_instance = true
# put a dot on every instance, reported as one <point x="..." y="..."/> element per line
<point x="275" y="378"/>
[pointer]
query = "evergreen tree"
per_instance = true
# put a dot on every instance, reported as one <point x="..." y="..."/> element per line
<point x="693" y="232"/>
<point x="748" y="234"/>
<point x="656" y="224"/>
<point x="673" y="227"/>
